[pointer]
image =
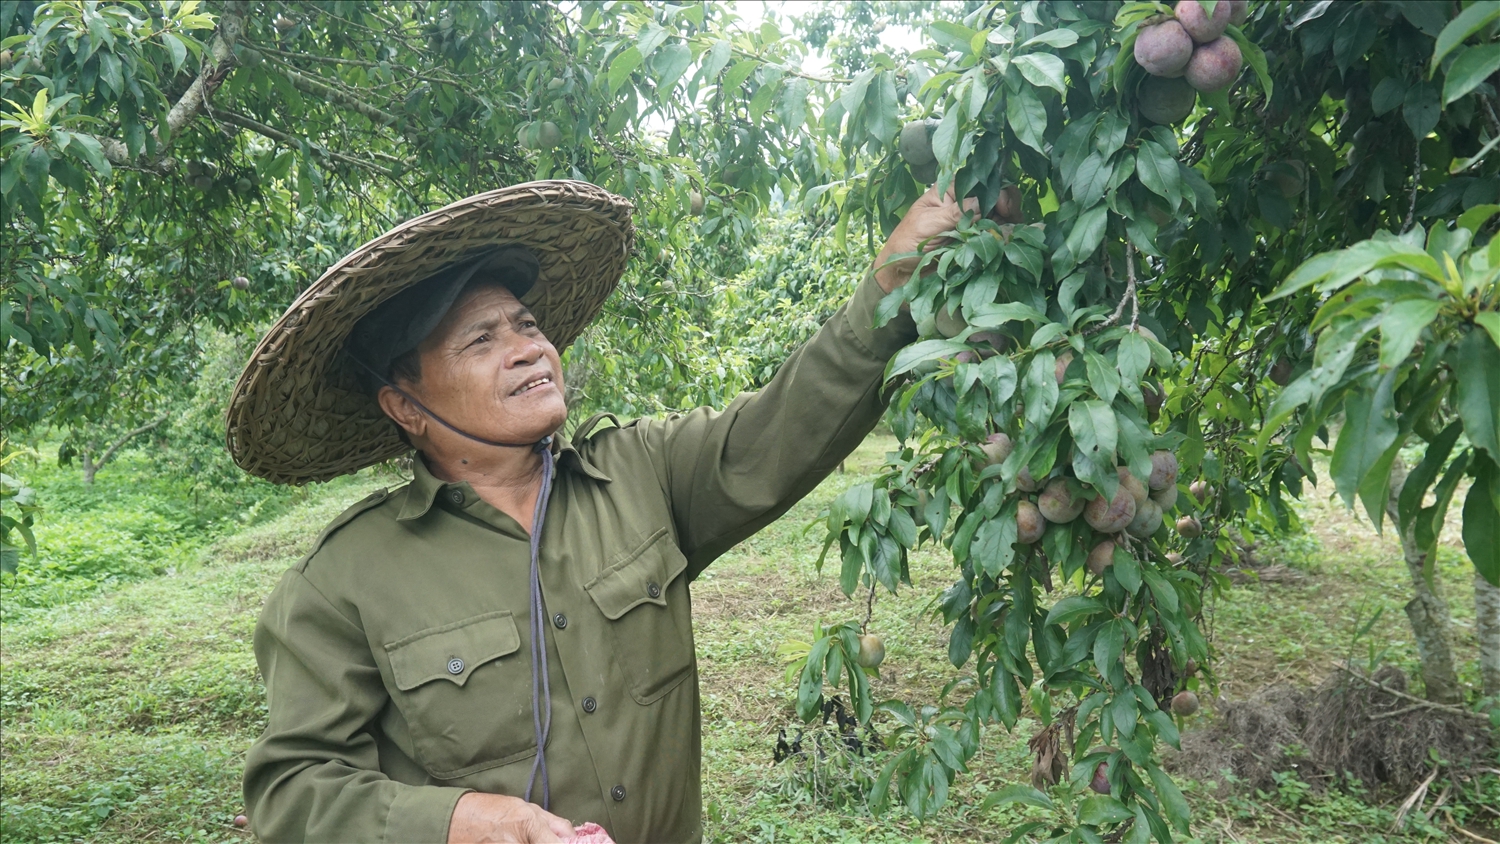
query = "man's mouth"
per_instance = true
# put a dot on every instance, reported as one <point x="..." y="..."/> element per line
<point x="532" y="384"/>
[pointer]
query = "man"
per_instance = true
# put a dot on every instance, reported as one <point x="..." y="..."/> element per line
<point x="502" y="648"/>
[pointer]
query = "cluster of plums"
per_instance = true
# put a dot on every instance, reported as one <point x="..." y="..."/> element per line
<point x="1137" y="508"/>
<point x="1185" y="54"/>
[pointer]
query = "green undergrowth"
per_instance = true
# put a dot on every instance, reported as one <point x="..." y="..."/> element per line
<point x="127" y="706"/>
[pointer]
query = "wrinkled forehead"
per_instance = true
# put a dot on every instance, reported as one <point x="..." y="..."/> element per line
<point x="484" y="305"/>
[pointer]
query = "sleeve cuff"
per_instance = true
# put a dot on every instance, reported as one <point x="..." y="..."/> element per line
<point x="421" y="814"/>
<point x="888" y="339"/>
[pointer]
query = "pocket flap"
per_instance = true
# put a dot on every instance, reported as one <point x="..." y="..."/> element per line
<point x="452" y="652"/>
<point x="641" y="577"/>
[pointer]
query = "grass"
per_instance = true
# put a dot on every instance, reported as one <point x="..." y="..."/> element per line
<point x="128" y="704"/>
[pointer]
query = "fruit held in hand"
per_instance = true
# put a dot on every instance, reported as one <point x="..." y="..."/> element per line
<point x="1185" y="704"/>
<point x="1058" y="504"/>
<point x="871" y="651"/>
<point x="1163" y="470"/>
<point x="1102" y="557"/>
<point x="1214" y="65"/>
<point x="949" y="323"/>
<point x="916" y="142"/>
<point x="997" y="447"/>
<point x="1147" y="520"/>
<point x="925" y="173"/>
<point x="1164" y="49"/>
<point x="240" y="283"/>
<point x="1029" y="522"/>
<point x="1113" y="515"/>
<point x="1166" y="100"/>
<point x="1189" y="527"/>
<point x="1202" y="27"/>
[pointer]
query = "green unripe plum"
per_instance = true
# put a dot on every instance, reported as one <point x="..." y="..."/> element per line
<point x="997" y="447"/>
<point x="925" y="173"/>
<point x="695" y="203"/>
<point x="1147" y="520"/>
<point x="548" y="136"/>
<point x="871" y="651"/>
<point x="1289" y="184"/>
<point x="1101" y="558"/>
<point x="1058" y="504"/>
<point x="243" y="185"/>
<point x="1239" y="12"/>
<point x="203" y="183"/>
<point x="1200" y="490"/>
<point x="1164" y="49"/>
<point x="1166" y="499"/>
<point x="1025" y="482"/>
<point x="1281" y="372"/>
<point x="915" y="143"/>
<point x="239" y="282"/>
<point x="1166" y="100"/>
<point x="949" y="323"/>
<point x="1029" y="522"/>
<point x="1133" y="484"/>
<point x="1113" y="515"/>
<point x="1214" y="65"/>
<point x="554" y="83"/>
<point x="1199" y="25"/>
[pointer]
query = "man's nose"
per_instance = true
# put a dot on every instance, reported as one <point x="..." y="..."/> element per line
<point x="523" y="351"/>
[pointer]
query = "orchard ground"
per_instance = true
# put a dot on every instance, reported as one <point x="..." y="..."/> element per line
<point x="128" y="700"/>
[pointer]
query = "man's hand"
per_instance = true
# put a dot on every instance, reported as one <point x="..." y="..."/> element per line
<point x="929" y="216"/>
<point x="481" y="818"/>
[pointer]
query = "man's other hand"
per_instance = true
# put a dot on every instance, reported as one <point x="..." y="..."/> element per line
<point x="928" y="217"/>
<point x="485" y="818"/>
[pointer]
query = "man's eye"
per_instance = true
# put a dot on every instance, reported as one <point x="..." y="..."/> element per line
<point x="528" y="323"/>
<point x="483" y="338"/>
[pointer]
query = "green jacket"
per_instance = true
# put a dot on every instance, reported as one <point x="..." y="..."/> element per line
<point x="395" y="654"/>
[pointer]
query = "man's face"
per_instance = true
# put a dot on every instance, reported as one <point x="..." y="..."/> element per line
<point x="488" y="370"/>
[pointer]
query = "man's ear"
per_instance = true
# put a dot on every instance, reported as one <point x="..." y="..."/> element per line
<point x="401" y="411"/>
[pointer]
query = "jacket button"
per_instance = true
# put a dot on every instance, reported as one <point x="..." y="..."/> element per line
<point x="589" y="704"/>
<point x="653" y="590"/>
<point x="456" y="496"/>
<point x="618" y="792"/>
<point x="455" y="666"/>
<point x="559" y="621"/>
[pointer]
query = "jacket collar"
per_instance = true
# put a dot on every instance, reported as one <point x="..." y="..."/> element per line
<point x="425" y="486"/>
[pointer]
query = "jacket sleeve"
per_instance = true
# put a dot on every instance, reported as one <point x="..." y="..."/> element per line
<point x="314" y="774"/>
<point x="730" y="473"/>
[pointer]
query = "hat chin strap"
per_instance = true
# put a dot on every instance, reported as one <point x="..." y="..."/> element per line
<point x="539" y="445"/>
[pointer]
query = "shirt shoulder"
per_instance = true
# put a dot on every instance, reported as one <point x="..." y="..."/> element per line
<point x="341" y="525"/>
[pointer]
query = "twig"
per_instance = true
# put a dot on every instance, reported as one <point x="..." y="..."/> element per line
<point x="1480" y="838"/>
<point x="1442" y="707"/>
<point x="1416" y="184"/>
<point x="1130" y="296"/>
<point x="869" y="608"/>
<point x="274" y="134"/>
<point x="1414" y="799"/>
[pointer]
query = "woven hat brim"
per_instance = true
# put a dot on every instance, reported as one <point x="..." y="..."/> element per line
<point x="298" y="412"/>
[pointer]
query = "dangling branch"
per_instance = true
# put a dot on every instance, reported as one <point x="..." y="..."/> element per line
<point x="1129" y="297"/>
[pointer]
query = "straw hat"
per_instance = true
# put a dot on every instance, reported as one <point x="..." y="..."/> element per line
<point x="299" y="413"/>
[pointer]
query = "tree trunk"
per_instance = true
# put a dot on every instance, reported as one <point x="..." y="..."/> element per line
<point x="1431" y="624"/>
<point x="90" y="468"/>
<point x="1487" y="626"/>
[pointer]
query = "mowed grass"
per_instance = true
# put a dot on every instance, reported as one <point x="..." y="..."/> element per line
<point x="126" y="714"/>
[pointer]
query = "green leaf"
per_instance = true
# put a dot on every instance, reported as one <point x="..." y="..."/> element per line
<point x="1133" y="358"/>
<point x="764" y="97"/>
<point x="1107" y="646"/>
<point x="1039" y="389"/>
<point x="670" y="63"/>
<point x="1387" y="95"/>
<point x="176" y="48"/>
<point x="735" y="78"/>
<point x="622" y="66"/>
<point x="1402" y="325"/>
<point x="995" y="543"/>
<point x="89" y="149"/>
<point x="1369" y="429"/>
<point x="1481" y="529"/>
<point x="1027" y="117"/>
<point x="1043" y="70"/>
<point x="1105" y="379"/>
<point x="1255" y="57"/>
<point x="1088" y="232"/>
<point x="918" y="353"/>
<point x="1476" y="363"/>
<point x="1490" y="321"/>
<point x="1099" y="809"/>
<point x="1422" y="108"/>
<point x="1171" y="799"/>
<point x="1473" y="66"/>
<point x="1127" y="570"/>
<point x="1068" y="609"/>
<point x="1414" y="488"/>
<point x="1157" y="170"/>
<point x="1094" y="430"/>
<point x="1016" y="793"/>
<point x="1458" y="30"/>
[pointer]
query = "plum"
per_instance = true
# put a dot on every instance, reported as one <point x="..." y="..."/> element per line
<point x="1189" y="527"/>
<point x="1166" y="100"/>
<point x="1214" y="65"/>
<point x="1163" y="470"/>
<point x="1147" y="520"/>
<point x="1113" y="515"/>
<point x="1058" y="504"/>
<point x="1164" y="49"/>
<point x="871" y="651"/>
<point x="1029" y="522"/>
<point x="1102" y="557"/>
<point x="997" y="447"/>
<point x="950" y="322"/>
<point x="1185" y="704"/>
<point x="1166" y="499"/>
<point x="1202" y="27"/>
<point x="1137" y="489"/>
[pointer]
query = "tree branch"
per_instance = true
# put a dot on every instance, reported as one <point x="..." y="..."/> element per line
<point x="274" y="134"/>
<point x="310" y="85"/>
<point x="130" y="435"/>
<point x="210" y="77"/>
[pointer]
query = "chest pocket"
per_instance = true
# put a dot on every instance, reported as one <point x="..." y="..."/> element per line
<point x="465" y="692"/>
<point x="644" y="596"/>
